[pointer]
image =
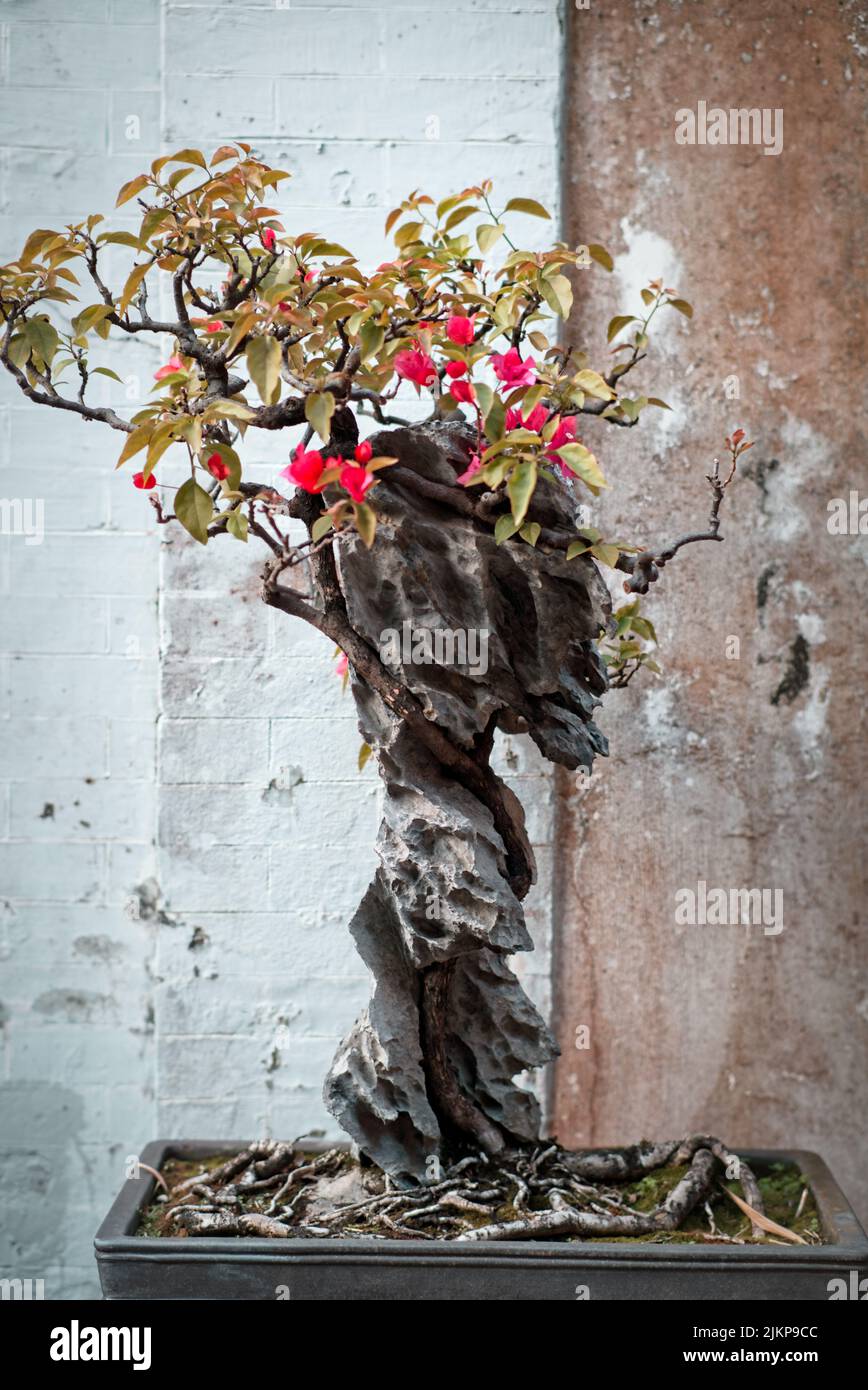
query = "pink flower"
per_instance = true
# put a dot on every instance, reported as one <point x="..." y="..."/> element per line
<point x="268" y="238"/>
<point x="174" y="364"/>
<point x="284" y="307"/>
<point x="535" y="421"/>
<point x="215" y="326"/>
<point x="415" y="365"/>
<point x="363" y="452"/>
<point x="564" y="434"/>
<point x="217" y="467"/>
<point x="509" y="368"/>
<point x="459" y="329"/>
<point x="463" y="391"/>
<point x="305" y="469"/>
<point x="471" y="470"/>
<point x="341" y="664"/>
<point x="356" y="480"/>
<point x="456" y="369"/>
<point x="139" y="480"/>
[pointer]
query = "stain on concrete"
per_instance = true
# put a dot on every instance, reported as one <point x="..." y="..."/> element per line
<point x="74" y="1005"/>
<point x="98" y="948"/>
<point x="41" y="1126"/>
<point x="797" y="674"/>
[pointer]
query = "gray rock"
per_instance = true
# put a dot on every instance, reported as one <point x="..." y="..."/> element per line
<point x="442" y="891"/>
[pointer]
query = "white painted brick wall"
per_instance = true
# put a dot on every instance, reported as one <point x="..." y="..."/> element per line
<point x="158" y="724"/>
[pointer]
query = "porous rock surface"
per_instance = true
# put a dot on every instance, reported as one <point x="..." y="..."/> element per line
<point x="442" y="891"/>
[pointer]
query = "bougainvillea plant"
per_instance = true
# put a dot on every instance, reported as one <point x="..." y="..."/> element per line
<point x="469" y="517"/>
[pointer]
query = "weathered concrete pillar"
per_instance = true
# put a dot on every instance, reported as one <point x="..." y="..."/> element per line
<point x="745" y="771"/>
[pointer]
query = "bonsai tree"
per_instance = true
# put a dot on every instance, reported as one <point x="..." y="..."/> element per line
<point x="467" y="523"/>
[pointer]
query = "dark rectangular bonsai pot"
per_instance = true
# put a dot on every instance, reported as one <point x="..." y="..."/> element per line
<point x="138" y="1267"/>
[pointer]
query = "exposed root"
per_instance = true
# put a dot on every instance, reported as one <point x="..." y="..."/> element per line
<point x="535" y="1193"/>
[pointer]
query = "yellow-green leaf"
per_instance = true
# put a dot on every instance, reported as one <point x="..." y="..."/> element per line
<point x="237" y="524"/>
<point x="601" y="256"/>
<point x="366" y="522"/>
<point x="582" y="462"/>
<point x="617" y="323"/>
<point x="194" y="509"/>
<point x="606" y="554"/>
<point x="683" y="307"/>
<point x="558" y="294"/>
<point x="263" y="363"/>
<point x="504" y="527"/>
<point x="594" y="385"/>
<point x="487" y="234"/>
<point x="135" y="441"/>
<point x="134" y="280"/>
<point x="520" y="487"/>
<point x="318" y="410"/>
<point x="528" y="205"/>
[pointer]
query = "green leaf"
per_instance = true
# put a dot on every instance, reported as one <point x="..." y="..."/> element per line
<point x="237" y="524"/>
<point x="319" y="409"/>
<point x="594" y="385"/>
<point x="577" y="548"/>
<point x="194" y="510"/>
<point x="487" y="233"/>
<point x="655" y="400"/>
<point x="106" y="371"/>
<point x="504" y="527"/>
<point x="582" y="462"/>
<point x="42" y="337"/>
<point x="484" y="397"/>
<point x="321" y="527"/>
<point x="648" y="296"/>
<point x="263" y="363"/>
<point x="371" y="339"/>
<point x="530" y="532"/>
<point x="495" y="419"/>
<point x="558" y="294"/>
<point x="528" y="205"/>
<point x="682" y="306"/>
<point x="366" y="522"/>
<point x="521" y="488"/>
<point x="601" y="256"/>
<point x="617" y="323"/>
